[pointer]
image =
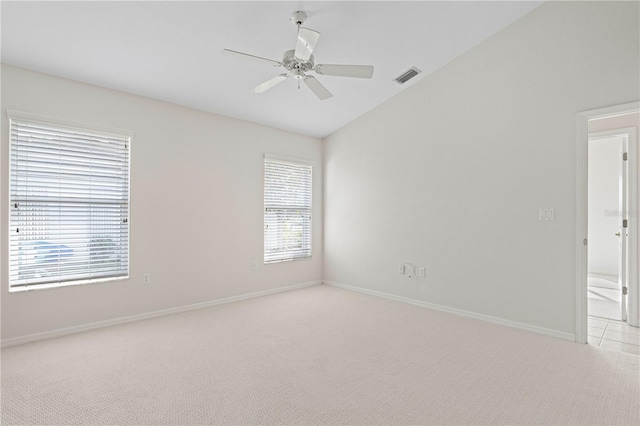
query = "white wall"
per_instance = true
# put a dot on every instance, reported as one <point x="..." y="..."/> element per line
<point x="613" y="123"/>
<point x="450" y="174"/>
<point x="196" y="205"/>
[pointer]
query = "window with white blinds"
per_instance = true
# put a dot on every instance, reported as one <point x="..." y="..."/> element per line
<point x="69" y="195"/>
<point x="287" y="210"/>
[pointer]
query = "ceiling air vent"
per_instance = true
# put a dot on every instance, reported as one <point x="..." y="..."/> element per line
<point x="407" y="75"/>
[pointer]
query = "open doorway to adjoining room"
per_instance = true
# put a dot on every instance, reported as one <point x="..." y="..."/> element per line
<point x="608" y="295"/>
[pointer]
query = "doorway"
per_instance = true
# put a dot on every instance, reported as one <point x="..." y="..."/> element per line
<point x="608" y="237"/>
<point x="608" y="125"/>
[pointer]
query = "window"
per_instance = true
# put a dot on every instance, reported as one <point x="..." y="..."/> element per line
<point x="287" y="210"/>
<point x="69" y="195"/>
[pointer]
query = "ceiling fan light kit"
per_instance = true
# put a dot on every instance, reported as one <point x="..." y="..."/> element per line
<point x="300" y="60"/>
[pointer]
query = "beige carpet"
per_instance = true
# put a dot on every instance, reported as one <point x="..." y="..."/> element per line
<point x="319" y="355"/>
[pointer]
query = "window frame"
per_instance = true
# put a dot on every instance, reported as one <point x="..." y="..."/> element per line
<point x="295" y="162"/>
<point x="69" y="126"/>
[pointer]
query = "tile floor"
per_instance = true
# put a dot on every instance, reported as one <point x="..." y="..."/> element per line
<point x="604" y="302"/>
<point x="616" y="335"/>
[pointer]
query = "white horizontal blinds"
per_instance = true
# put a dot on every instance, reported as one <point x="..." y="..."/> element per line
<point x="287" y="211"/>
<point x="69" y="197"/>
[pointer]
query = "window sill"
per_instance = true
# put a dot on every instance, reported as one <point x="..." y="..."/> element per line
<point x="297" y="259"/>
<point x="49" y="286"/>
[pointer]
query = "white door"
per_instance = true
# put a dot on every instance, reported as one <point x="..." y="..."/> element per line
<point x="612" y="268"/>
<point x="605" y="211"/>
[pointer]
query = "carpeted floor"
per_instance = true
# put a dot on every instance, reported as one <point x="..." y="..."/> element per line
<point x="319" y="355"/>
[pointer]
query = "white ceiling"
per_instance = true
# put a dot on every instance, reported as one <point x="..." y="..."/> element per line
<point x="172" y="50"/>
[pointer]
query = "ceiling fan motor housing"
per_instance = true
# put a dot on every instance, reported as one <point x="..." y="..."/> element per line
<point x="296" y="66"/>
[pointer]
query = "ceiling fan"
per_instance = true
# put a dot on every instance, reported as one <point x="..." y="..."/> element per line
<point x="299" y="61"/>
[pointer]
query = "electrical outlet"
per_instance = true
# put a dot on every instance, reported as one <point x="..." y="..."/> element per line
<point x="422" y="272"/>
<point x="407" y="270"/>
<point x="146" y="278"/>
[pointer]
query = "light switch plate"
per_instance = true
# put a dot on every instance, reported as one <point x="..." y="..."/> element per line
<point x="546" y="214"/>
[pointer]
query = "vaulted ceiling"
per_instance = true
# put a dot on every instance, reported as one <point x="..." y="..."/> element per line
<point x="172" y="50"/>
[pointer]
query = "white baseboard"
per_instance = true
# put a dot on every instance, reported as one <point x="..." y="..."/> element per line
<point x="147" y="315"/>
<point x="522" y="326"/>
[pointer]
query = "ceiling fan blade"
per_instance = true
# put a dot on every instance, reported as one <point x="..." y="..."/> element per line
<point x="358" y="71"/>
<point x="270" y="83"/>
<point x="317" y="88"/>
<point x="305" y="44"/>
<point x="228" y="52"/>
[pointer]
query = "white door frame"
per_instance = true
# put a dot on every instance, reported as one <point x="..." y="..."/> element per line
<point x="581" y="211"/>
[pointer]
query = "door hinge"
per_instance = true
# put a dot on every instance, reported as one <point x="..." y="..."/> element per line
<point x="625" y="223"/>
<point x="625" y="290"/>
<point x="624" y="156"/>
